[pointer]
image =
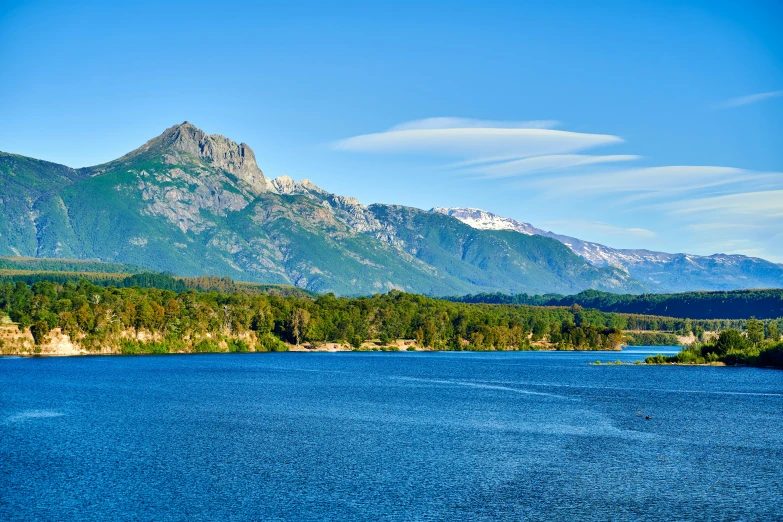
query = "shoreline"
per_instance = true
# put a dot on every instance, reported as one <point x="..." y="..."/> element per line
<point x="14" y="342"/>
<point x="85" y="353"/>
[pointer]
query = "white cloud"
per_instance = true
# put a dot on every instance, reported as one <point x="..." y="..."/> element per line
<point x="767" y="203"/>
<point x="654" y="181"/>
<point x="477" y="142"/>
<point x="598" y="226"/>
<point x="545" y="163"/>
<point x="720" y="227"/>
<point x="702" y="207"/>
<point x="746" y="223"/>
<point x="468" y="123"/>
<point x="746" y="100"/>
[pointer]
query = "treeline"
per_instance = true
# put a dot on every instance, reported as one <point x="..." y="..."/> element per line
<point x="226" y="284"/>
<point x="734" y="304"/>
<point x="161" y="281"/>
<point x="651" y="339"/>
<point x="758" y="345"/>
<point x="41" y="264"/>
<point x="31" y="277"/>
<point x="98" y="316"/>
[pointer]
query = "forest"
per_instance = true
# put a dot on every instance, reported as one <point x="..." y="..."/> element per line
<point x="159" y="280"/>
<point x="759" y="345"/>
<point x="734" y="304"/>
<point x="99" y="316"/>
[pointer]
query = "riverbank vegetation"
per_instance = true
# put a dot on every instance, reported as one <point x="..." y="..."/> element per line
<point x="758" y="345"/>
<point x="724" y="305"/>
<point x="651" y="339"/>
<point x="108" y="319"/>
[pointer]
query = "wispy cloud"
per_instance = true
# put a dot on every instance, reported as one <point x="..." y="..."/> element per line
<point x="720" y="227"/>
<point x="468" y="123"/>
<point x="550" y="162"/>
<point x="746" y="100"/>
<point x="708" y="206"/>
<point x="653" y="181"/>
<point x="605" y="229"/>
<point x="748" y="223"/>
<point x="473" y="140"/>
<point x="767" y="203"/>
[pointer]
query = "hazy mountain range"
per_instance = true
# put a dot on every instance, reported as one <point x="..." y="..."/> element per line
<point x="657" y="271"/>
<point x="192" y="204"/>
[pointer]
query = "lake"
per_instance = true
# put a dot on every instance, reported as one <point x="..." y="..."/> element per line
<point x="388" y="436"/>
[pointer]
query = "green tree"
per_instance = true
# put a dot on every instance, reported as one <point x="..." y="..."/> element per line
<point x="728" y="341"/>
<point x="40" y="330"/>
<point x="772" y="332"/>
<point x="755" y="330"/>
<point x="698" y="331"/>
<point x="299" y="320"/>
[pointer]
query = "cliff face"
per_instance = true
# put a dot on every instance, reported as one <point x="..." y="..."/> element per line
<point x="221" y="152"/>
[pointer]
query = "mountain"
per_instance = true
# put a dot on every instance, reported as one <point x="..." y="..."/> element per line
<point x="657" y="271"/>
<point x="192" y="204"/>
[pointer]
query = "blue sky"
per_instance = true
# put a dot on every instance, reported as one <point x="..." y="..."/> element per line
<point x="637" y="124"/>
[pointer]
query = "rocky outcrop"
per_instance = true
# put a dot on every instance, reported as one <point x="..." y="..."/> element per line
<point x="214" y="149"/>
<point x="180" y="197"/>
<point x="286" y="186"/>
<point x="347" y="209"/>
<point x="237" y="159"/>
<point x="20" y="342"/>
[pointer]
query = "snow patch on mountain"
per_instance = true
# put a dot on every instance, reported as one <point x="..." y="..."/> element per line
<point x="484" y="220"/>
<point x="660" y="271"/>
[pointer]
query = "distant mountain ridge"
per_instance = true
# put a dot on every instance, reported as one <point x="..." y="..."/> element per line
<point x="658" y="271"/>
<point x="192" y="204"/>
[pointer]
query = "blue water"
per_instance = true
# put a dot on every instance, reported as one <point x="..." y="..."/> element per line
<point x="388" y="436"/>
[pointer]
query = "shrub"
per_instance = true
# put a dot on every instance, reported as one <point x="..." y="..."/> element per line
<point x="238" y="345"/>
<point x="728" y="341"/>
<point x="690" y="355"/>
<point x="270" y="343"/>
<point x="771" y="357"/>
<point x="129" y="347"/>
<point x="134" y="347"/>
<point x="40" y="330"/>
<point x="659" y="359"/>
<point x="206" y="346"/>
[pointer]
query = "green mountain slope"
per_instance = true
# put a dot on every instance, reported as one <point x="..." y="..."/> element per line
<point x="194" y="204"/>
<point x="28" y="194"/>
<point x="496" y="259"/>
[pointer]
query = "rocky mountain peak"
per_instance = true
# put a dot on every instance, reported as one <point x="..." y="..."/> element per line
<point x="223" y="153"/>
<point x="287" y="186"/>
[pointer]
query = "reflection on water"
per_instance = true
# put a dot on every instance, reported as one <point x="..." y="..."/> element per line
<point x="392" y="436"/>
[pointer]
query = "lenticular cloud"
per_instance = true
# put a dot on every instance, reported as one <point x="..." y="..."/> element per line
<point x="469" y="140"/>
